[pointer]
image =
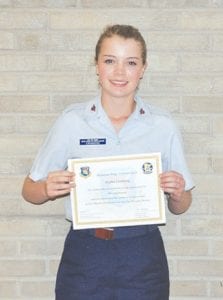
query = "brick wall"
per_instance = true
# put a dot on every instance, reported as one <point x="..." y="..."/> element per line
<point x="46" y="62"/>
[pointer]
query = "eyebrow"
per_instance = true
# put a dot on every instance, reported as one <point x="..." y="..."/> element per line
<point x="131" y="57"/>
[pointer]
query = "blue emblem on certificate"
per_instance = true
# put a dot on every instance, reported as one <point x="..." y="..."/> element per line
<point x="85" y="172"/>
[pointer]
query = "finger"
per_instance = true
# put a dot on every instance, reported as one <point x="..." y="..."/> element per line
<point x="60" y="173"/>
<point x="60" y="178"/>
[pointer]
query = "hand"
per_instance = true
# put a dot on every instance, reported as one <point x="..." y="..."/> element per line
<point x="59" y="183"/>
<point x="173" y="184"/>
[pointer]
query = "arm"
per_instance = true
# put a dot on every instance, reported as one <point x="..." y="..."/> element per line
<point x="57" y="184"/>
<point x="173" y="184"/>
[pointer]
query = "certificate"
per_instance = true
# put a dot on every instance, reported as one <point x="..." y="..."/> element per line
<point x="117" y="191"/>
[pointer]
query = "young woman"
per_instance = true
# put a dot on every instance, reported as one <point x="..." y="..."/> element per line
<point x="125" y="262"/>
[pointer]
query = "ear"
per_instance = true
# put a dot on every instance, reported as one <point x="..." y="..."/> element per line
<point x="143" y="69"/>
<point x="96" y="69"/>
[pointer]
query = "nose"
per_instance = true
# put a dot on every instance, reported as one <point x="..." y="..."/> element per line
<point x="119" y="68"/>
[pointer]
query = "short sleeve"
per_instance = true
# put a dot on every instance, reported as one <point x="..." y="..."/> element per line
<point x="177" y="161"/>
<point x="54" y="152"/>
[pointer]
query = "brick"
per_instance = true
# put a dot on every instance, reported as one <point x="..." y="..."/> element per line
<point x="35" y="124"/>
<point x="23" y="63"/>
<point x="200" y="63"/>
<point x="53" y="266"/>
<point x="209" y="184"/>
<point x="41" y="247"/>
<point x="8" y="82"/>
<point x="14" y="166"/>
<point x="217" y="3"/>
<point x="186" y="247"/>
<point x="8" y="205"/>
<point x="6" y="41"/>
<point x="202" y="104"/>
<point x="199" y="143"/>
<point x="218" y="125"/>
<point x="91" y="82"/>
<point x="193" y="124"/>
<point x="74" y="40"/>
<point x="200" y="267"/>
<point x="5" y="3"/>
<point x="200" y="205"/>
<point x="7" y="166"/>
<point x="202" y="20"/>
<point x="6" y="186"/>
<point x="32" y="40"/>
<point x="218" y="164"/>
<point x="216" y="205"/>
<point x="7" y="124"/>
<point x="77" y="20"/>
<point x="8" y="289"/>
<point x="95" y="19"/>
<point x="56" y="82"/>
<point x="48" y="209"/>
<point x="176" y="84"/>
<point x="189" y="288"/>
<point x="58" y="227"/>
<point x="216" y="147"/>
<point x="112" y="4"/>
<point x="23" y="227"/>
<point x="60" y="102"/>
<point x="45" y="3"/>
<point x="173" y="41"/>
<point x="202" y="226"/>
<point x="217" y="87"/>
<point x="37" y="288"/>
<point x="216" y="288"/>
<point x="199" y="163"/>
<point x="24" y="103"/>
<point x="163" y="63"/>
<point x="9" y="248"/>
<point x="22" y="267"/>
<point x="217" y="42"/>
<point x="217" y="248"/>
<point x="77" y="62"/>
<point x="13" y="146"/>
<point x="22" y="19"/>
<point x="179" y="3"/>
<point x="171" y="227"/>
<point x="170" y="104"/>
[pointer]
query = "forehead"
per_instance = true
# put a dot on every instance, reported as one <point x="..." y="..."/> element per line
<point x="118" y="44"/>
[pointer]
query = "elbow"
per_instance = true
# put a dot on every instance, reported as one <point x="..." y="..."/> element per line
<point x="25" y="194"/>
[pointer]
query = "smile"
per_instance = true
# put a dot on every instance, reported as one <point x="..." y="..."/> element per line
<point x="119" y="82"/>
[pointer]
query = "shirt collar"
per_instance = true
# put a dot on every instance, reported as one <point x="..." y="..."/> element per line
<point x="142" y="111"/>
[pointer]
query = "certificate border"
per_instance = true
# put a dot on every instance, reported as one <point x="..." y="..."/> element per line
<point x="161" y="219"/>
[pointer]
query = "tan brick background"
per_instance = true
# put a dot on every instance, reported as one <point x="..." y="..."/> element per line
<point x="46" y="62"/>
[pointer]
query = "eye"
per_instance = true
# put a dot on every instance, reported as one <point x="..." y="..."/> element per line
<point x="109" y="61"/>
<point x="132" y="63"/>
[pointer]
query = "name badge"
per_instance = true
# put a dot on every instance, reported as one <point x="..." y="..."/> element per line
<point x="94" y="141"/>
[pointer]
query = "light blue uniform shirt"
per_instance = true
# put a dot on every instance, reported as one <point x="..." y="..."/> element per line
<point x="84" y="130"/>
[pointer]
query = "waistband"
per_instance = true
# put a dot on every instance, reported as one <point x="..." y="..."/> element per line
<point x="123" y="232"/>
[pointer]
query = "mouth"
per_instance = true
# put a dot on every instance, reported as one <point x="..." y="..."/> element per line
<point x="119" y="83"/>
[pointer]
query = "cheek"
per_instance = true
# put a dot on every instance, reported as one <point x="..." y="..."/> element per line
<point x="104" y="72"/>
<point x="135" y="75"/>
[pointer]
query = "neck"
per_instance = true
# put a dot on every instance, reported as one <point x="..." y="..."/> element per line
<point x="118" y="110"/>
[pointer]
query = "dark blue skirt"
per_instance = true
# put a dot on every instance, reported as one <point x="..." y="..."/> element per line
<point x="131" y="268"/>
